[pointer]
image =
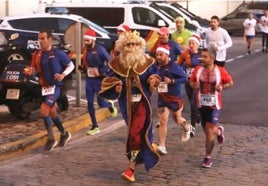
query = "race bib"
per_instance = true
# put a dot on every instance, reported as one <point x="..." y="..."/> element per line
<point x="163" y="87"/>
<point x="189" y="71"/>
<point x="90" y="71"/>
<point x="136" y="97"/>
<point x="48" y="90"/>
<point x="207" y="99"/>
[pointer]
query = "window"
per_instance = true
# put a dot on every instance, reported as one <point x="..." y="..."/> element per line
<point x="146" y="17"/>
<point x="35" y="24"/>
<point x="64" y="24"/>
<point x="106" y="16"/>
<point x="102" y="16"/>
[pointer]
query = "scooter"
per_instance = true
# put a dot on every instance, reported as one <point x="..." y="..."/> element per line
<point x="9" y="52"/>
<point x="21" y="92"/>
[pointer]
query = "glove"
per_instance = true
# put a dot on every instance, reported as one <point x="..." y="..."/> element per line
<point x="81" y="68"/>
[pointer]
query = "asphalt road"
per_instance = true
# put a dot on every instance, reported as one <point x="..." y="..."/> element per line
<point x="246" y="102"/>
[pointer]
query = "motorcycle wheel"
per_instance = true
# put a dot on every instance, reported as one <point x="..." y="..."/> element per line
<point x="15" y="108"/>
<point x="63" y="103"/>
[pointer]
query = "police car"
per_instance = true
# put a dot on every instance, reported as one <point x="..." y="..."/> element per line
<point x="28" y="26"/>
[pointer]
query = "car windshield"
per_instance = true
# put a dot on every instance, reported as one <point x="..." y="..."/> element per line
<point x="93" y="25"/>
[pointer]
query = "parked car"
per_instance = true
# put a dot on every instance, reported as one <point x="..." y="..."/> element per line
<point x="28" y="26"/>
<point x="190" y="22"/>
<point x="137" y="15"/>
<point x="233" y="22"/>
<point x="202" y="21"/>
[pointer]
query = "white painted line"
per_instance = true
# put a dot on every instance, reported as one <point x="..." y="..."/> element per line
<point x="237" y="57"/>
<point x="230" y="60"/>
<point x="72" y="98"/>
<point x="240" y="56"/>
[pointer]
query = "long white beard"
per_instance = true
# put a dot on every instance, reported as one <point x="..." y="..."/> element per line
<point x="132" y="58"/>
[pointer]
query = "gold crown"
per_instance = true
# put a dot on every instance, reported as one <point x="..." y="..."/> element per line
<point x="135" y="32"/>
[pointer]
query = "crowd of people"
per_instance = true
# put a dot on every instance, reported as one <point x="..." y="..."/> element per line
<point x="130" y="74"/>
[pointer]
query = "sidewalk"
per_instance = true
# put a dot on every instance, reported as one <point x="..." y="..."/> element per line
<point x="18" y="136"/>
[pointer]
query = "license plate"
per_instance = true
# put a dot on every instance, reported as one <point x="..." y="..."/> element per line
<point x="13" y="94"/>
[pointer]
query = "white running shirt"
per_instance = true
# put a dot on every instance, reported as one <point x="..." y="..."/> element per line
<point x="250" y="26"/>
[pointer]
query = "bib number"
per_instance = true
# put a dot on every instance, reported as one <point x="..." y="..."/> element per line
<point x="48" y="90"/>
<point x="207" y="99"/>
<point x="163" y="87"/>
<point x="90" y="71"/>
<point x="136" y="97"/>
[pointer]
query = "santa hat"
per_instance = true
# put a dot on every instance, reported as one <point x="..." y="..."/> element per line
<point x="196" y="38"/>
<point x="123" y="28"/>
<point x="163" y="48"/>
<point x="90" y="34"/>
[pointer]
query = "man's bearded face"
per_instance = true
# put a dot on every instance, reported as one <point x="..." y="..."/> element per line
<point x="132" y="54"/>
<point x="88" y="43"/>
<point x="131" y="48"/>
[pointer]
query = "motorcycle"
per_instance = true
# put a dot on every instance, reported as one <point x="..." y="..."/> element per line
<point x="10" y="52"/>
<point x="21" y="92"/>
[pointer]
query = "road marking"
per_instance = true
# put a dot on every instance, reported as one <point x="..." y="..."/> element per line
<point x="241" y="56"/>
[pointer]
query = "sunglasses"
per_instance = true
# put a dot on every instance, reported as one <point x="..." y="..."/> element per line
<point x="132" y="44"/>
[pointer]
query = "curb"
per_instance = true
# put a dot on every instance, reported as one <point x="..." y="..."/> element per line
<point x="29" y="143"/>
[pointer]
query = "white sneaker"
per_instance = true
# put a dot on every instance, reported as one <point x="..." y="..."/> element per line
<point x="187" y="134"/>
<point x="162" y="150"/>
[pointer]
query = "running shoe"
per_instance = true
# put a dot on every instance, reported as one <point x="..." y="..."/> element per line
<point x="187" y="134"/>
<point x="113" y="109"/>
<point x="221" y="138"/>
<point x="93" y="130"/>
<point x="50" y="144"/>
<point x="193" y="132"/>
<point x="128" y="175"/>
<point x="162" y="150"/>
<point x="64" y="139"/>
<point x="207" y="163"/>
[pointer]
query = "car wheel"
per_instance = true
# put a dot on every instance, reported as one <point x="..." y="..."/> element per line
<point x="16" y="108"/>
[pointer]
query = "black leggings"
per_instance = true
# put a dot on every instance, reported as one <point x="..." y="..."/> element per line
<point x="265" y="40"/>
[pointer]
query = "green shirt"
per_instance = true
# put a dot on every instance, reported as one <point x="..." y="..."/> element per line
<point x="181" y="37"/>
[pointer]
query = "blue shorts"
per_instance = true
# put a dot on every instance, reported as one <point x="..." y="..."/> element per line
<point x="172" y="105"/>
<point x="250" y="37"/>
<point x="50" y="100"/>
<point x="209" y="115"/>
